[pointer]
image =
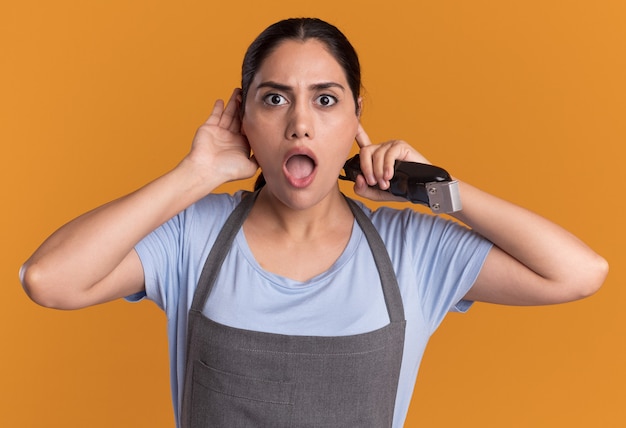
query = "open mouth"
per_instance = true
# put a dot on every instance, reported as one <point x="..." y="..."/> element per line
<point x="300" y="166"/>
<point x="300" y="169"/>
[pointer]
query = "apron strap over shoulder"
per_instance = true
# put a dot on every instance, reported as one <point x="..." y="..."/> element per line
<point x="220" y="250"/>
<point x="391" y="289"/>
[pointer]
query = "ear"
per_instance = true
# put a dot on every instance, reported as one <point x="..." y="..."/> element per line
<point x="240" y="110"/>
<point x="359" y="107"/>
<point x="239" y="99"/>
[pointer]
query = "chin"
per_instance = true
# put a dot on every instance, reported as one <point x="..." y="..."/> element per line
<point x="299" y="199"/>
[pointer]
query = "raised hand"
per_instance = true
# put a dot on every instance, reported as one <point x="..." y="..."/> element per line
<point x="91" y="259"/>
<point x="219" y="149"/>
<point x="377" y="165"/>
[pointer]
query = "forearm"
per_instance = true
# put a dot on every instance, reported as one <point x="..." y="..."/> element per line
<point x="91" y="259"/>
<point x="534" y="260"/>
<point x="552" y="256"/>
<point x="83" y="252"/>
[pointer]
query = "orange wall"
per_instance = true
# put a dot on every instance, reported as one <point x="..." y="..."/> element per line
<point x="526" y="99"/>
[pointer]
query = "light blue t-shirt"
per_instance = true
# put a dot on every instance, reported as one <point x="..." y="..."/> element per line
<point x="436" y="262"/>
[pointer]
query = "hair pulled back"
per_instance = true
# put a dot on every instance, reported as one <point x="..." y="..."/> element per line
<point x="302" y="29"/>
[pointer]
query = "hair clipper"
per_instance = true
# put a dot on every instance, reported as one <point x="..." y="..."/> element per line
<point x="417" y="182"/>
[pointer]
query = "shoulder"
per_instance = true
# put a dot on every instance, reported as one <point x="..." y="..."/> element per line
<point x="218" y="201"/>
<point x="419" y="230"/>
<point x="213" y="208"/>
<point x="394" y="220"/>
<point x="193" y="226"/>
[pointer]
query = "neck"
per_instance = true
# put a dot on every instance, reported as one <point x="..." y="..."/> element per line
<point x="326" y="215"/>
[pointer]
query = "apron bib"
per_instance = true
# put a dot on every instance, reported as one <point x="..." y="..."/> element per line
<point x="238" y="378"/>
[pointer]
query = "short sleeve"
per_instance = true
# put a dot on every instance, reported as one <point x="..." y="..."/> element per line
<point x="448" y="264"/>
<point x="437" y="260"/>
<point x="172" y="255"/>
<point x="137" y="297"/>
<point x="158" y="253"/>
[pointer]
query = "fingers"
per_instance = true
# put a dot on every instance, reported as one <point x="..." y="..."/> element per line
<point x="228" y="117"/>
<point x="362" y="139"/>
<point x="362" y="189"/>
<point x="378" y="161"/>
<point x="216" y="113"/>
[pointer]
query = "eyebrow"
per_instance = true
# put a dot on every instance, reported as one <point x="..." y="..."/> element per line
<point x="287" y="88"/>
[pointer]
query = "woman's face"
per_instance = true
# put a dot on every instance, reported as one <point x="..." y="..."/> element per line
<point x="301" y="121"/>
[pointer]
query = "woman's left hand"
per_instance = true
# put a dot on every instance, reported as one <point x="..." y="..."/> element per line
<point x="377" y="165"/>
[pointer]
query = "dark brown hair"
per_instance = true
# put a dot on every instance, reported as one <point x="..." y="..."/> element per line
<point x="301" y="29"/>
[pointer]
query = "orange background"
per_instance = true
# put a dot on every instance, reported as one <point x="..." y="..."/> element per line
<point x="526" y="99"/>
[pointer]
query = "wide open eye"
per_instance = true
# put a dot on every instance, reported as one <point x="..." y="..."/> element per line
<point x="274" y="100"/>
<point x="326" y="100"/>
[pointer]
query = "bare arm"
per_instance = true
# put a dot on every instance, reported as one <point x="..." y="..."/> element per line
<point x="533" y="261"/>
<point x="91" y="259"/>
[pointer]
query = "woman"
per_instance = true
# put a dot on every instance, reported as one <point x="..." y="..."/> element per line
<point x="293" y="305"/>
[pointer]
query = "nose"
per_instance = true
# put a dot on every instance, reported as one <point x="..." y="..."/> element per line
<point x="300" y="122"/>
